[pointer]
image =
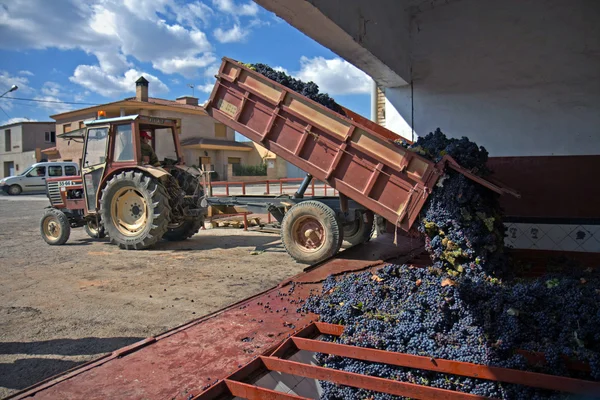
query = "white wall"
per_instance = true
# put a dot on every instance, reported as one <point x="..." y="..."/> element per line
<point x="520" y="77"/>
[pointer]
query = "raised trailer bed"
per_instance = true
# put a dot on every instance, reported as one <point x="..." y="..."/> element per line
<point x="351" y="154"/>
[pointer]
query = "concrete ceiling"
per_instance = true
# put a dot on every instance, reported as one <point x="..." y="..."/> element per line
<point x="360" y="31"/>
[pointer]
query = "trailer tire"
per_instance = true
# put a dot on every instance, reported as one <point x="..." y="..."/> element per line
<point x="360" y="231"/>
<point x="135" y="210"/>
<point x="311" y="232"/>
<point x="55" y="227"/>
<point x="183" y="231"/>
<point x="94" y="231"/>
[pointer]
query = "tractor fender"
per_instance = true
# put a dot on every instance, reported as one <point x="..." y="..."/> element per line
<point x="156" y="172"/>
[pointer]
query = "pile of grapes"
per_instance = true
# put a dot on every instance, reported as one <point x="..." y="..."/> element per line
<point x="467" y="306"/>
<point x="310" y="89"/>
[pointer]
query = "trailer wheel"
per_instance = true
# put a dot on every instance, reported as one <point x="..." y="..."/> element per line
<point x="185" y="229"/>
<point x="93" y="230"/>
<point x="311" y="232"/>
<point x="361" y="229"/>
<point x="55" y="227"/>
<point x="135" y="210"/>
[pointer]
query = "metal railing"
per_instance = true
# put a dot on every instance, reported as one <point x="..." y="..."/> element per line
<point x="271" y="187"/>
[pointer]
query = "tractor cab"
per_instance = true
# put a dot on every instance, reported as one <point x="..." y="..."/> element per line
<point x="134" y="186"/>
<point x="113" y="144"/>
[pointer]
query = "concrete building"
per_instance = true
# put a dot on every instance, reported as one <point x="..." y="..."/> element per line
<point x="519" y="77"/>
<point x="22" y="145"/>
<point x="204" y="140"/>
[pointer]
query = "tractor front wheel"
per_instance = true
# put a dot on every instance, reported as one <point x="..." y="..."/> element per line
<point x="94" y="230"/>
<point x="55" y="227"/>
<point x="134" y="210"/>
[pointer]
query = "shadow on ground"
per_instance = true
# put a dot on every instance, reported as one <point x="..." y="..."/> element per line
<point x="28" y="371"/>
<point x="262" y="242"/>
<point x="68" y="347"/>
<point x="25" y="372"/>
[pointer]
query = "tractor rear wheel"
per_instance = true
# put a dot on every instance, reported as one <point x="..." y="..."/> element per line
<point x="55" y="227"/>
<point x="94" y="230"/>
<point x="135" y="210"/>
<point x="183" y="230"/>
<point x="311" y="232"/>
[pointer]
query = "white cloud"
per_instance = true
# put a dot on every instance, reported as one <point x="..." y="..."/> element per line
<point x="51" y="89"/>
<point x="25" y="72"/>
<point x="235" y="34"/>
<point x="96" y="80"/>
<point x="15" y="120"/>
<point x="193" y="14"/>
<point x="206" y="88"/>
<point x="7" y="80"/>
<point x="281" y="69"/>
<point x="189" y="66"/>
<point x="53" y="105"/>
<point x="117" y="32"/>
<point x="334" y="76"/>
<point x="230" y="7"/>
<point x="212" y="70"/>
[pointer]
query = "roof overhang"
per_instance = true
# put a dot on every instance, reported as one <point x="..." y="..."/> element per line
<point x="128" y="105"/>
<point x="203" y="146"/>
<point x="76" y="134"/>
<point x="50" y="151"/>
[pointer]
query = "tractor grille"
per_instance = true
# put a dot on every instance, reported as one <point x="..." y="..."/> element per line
<point x="54" y="193"/>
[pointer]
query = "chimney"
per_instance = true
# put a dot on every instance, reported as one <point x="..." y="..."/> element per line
<point x="189" y="100"/>
<point x="141" y="89"/>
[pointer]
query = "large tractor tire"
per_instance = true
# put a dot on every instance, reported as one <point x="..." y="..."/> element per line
<point x="361" y="229"/>
<point x="55" y="227"/>
<point x="134" y="210"/>
<point x="183" y="230"/>
<point x="311" y="232"/>
<point x="94" y="230"/>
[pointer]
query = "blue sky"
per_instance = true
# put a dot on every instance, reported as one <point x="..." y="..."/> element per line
<point x="92" y="51"/>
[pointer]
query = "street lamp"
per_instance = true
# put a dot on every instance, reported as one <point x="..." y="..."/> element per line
<point x="12" y="89"/>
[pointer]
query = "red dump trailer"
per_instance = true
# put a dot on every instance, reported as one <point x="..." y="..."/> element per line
<point x="352" y="154"/>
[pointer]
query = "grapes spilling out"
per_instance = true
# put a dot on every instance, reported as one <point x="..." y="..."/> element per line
<point x="468" y="305"/>
<point x="308" y="89"/>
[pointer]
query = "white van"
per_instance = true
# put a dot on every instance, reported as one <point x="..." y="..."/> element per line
<point x="34" y="177"/>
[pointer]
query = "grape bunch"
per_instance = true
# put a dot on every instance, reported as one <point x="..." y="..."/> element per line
<point x="308" y="89"/>
<point x="436" y="144"/>
<point x="421" y="311"/>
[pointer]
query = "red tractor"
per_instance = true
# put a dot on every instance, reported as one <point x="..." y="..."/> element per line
<point x="120" y="194"/>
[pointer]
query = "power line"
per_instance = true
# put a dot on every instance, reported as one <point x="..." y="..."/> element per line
<point x="5" y="112"/>
<point x="51" y="101"/>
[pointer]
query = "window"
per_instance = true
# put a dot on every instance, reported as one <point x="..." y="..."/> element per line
<point x="81" y="125"/>
<point x="234" y="160"/>
<point x="123" y="143"/>
<point x="50" y="137"/>
<point x="66" y="128"/>
<point x="70" y="170"/>
<point x="55" y="170"/>
<point x="95" y="149"/>
<point x="7" y="142"/>
<point x="37" y="171"/>
<point x="220" y="131"/>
